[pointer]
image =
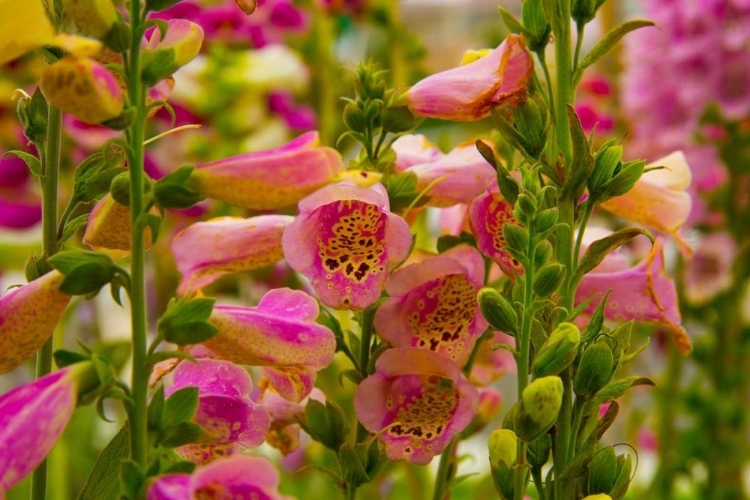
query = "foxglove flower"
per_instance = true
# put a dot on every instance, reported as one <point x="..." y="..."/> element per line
<point x="433" y="304"/>
<point x="464" y="171"/>
<point x="166" y="53"/>
<point x="229" y="244"/>
<point x="470" y="92"/>
<point x="644" y="293"/>
<point x="414" y="149"/>
<point x="109" y="227"/>
<point x="417" y="400"/>
<point x="285" y="429"/>
<point x="83" y="88"/>
<point x="225" y="411"/>
<point x="659" y="199"/>
<point x="487" y="215"/>
<point x="280" y="335"/>
<point x="272" y="179"/>
<point x="345" y="241"/>
<point x="28" y="316"/>
<point x="234" y="477"/>
<point x="33" y="416"/>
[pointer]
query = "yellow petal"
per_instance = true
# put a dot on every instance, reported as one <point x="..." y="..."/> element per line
<point x="77" y="45"/>
<point x="24" y="26"/>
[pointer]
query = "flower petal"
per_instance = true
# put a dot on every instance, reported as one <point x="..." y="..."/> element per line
<point x="487" y="215"/>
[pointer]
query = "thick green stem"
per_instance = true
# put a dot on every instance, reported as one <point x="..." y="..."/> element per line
<point x="563" y="79"/>
<point x="324" y="77"/>
<point x="50" y="170"/>
<point x="445" y="471"/>
<point x="365" y="341"/>
<point x="579" y="43"/>
<point x="139" y="384"/>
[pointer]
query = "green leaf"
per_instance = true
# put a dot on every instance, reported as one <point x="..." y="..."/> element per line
<point x="156" y="409"/>
<point x="615" y="389"/>
<point x="607" y="42"/>
<point x="513" y="24"/>
<point x="449" y="241"/>
<point x="598" y="250"/>
<point x="352" y="467"/>
<point x="185" y="321"/>
<point x="582" y="163"/>
<point x="174" y="190"/>
<point x="509" y="187"/>
<point x="181" y="434"/>
<point x="86" y="278"/>
<point x="65" y="358"/>
<point x="72" y="226"/>
<point x="597" y="320"/>
<point x="103" y="482"/>
<point x="402" y="191"/>
<point x="31" y="161"/>
<point x="179" y="407"/>
<point x="165" y="355"/>
<point x="132" y="479"/>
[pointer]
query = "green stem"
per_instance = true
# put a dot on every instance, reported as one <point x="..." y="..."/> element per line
<point x="538" y="482"/>
<point x="365" y="341"/>
<point x="551" y="94"/>
<point x="579" y="43"/>
<point x="50" y="171"/>
<point x="581" y="230"/>
<point x="563" y="74"/>
<point x="445" y="470"/>
<point x="324" y="77"/>
<point x="139" y="384"/>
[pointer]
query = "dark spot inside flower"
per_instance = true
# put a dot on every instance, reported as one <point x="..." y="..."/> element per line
<point x="332" y="264"/>
<point x="349" y="269"/>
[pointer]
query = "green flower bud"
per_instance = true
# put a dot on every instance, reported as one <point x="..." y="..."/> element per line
<point x="558" y="352"/>
<point x="530" y="122"/>
<point x="549" y="278"/>
<point x="603" y="471"/>
<point x="538" y="450"/>
<point x="545" y="219"/>
<point x="503" y="445"/>
<point x="623" y="181"/>
<point x="542" y="399"/>
<point x="607" y="161"/>
<point x="398" y="119"/>
<point x="594" y="370"/>
<point x="497" y="311"/>
<point x="526" y="207"/>
<point x="120" y="188"/>
<point x="516" y="237"/>
<point x="542" y="253"/>
<point x="535" y="21"/>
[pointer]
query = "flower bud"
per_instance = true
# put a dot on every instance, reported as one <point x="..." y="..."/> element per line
<point x="93" y="17"/>
<point x="83" y="88"/>
<point x="537" y="451"/>
<point x="165" y="54"/>
<point x="623" y="181"/>
<point x="398" y="119"/>
<point x="545" y="219"/>
<point x="536" y="22"/>
<point x="607" y="161"/>
<point x="497" y="311"/>
<point x="542" y="253"/>
<point x="354" y="118"/>
<point x="542" y="399"/>
<point x="517" y="237"/>
<point x="526" y="207"/>
<point x="558" y="352"/>
<point x="594" y="370"/>
<point x="503" y="447"/>
<point x="530" y="121"/>
<point x="548" y="279"/>
<point x="603" y="471"/>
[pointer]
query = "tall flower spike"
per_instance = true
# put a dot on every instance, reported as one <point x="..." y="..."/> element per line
<point x="643" y="293"/>
<point x="268" y="180"/>
<point x="84" y="88"/>
<point x="345" y="241"/>
<point x="234" y="477"/>
<point x="230" y="244"/>
<point x="419" y="399"/>
<point x="33" y="416"/>
<point x="487" y="215"/>
<point x="280" y="335"/>
<point x="464" y="171"/>
<point x="28" y="316"/>
<point x="659" y="199"/>
<point x="469" y="92"/>
<point x="433" y="304"/>
<point x="225" y="411"/>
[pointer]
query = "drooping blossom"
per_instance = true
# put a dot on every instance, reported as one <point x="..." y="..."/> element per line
<point x="417" y="400"/>
<point x="170" y="51"/>
<point x="470" y="92"/>
<point x="234" y="477"/>
<point x="433" y="304"/>
<point x="284" y="433"/>
<point x="659" y="199"/>
<point x="28" y="316"/>
<point x="225" y="411"/>
<point x="280" y="335"/>
<point x="487" y="215"/>
<point x="345" y="241"/>
<point x="644" y="293"/>
<point x="272" y="179"/>
<point x="109" y="227"/>
<point x="82" y="87"/>
<point x="228" y="244"/>
<point x="33" y="416"/>
<point x="710" y="269"/>
<point x="464" y="171"/>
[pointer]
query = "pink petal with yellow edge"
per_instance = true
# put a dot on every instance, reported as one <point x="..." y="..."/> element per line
<point x="32" y="418"/>
<point x="465" y="175"/>
<point x="237" y="477"/>
<point x="659" y="199"/>
<point x="273" y="179"/>
<point x="468" y="93"/>
<point x="108" y="228"/>
<point x="487" y="215"/>
<point x="644" y="293"/>
<point x="227" y="245"/>
<point x="28" y="316"/>
<point x="345" y="242"/>
<point x="418" y="399"/>
<point x="414" y="149"/>
<point x="433" y="304"/>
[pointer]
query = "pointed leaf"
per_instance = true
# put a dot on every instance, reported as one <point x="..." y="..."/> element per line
<point x="607" y="42"/>
<point x="598" y="250"/>
<point x="103" y="482"/>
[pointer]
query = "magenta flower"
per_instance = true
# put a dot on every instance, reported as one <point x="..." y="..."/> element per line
<point x="417" y="400"/>
<point x="225" y="411"/>
<point x="345" y="241"/>
<point x="433" y="304"/>
<point x="230" y="244"/>
<point x="468" y="93"/>
<point x="280" y="335"/>
<point x="28" y="316"/>
<point x="643" y="293"/>
<point x="464" y="171"/>
<point x="272" y="179"/>
<point x="178" y="47"/>
<point x="284" y="434"/>
<point x="487" y="215"/>
<point x="235" y="477"/>
<point x="33" y="416"/>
